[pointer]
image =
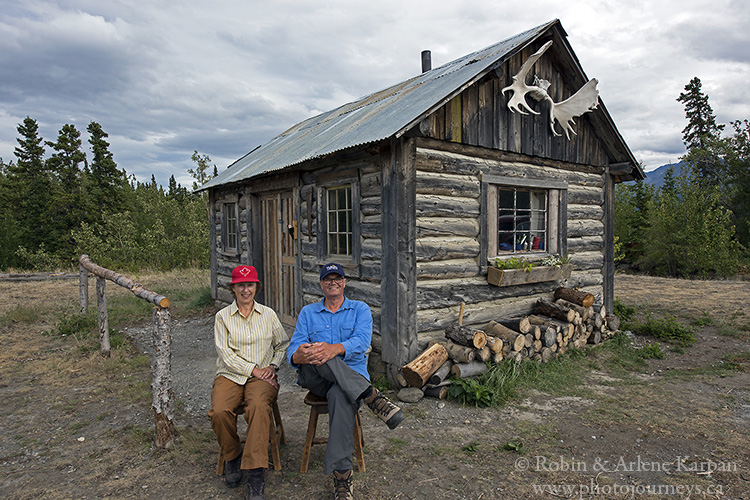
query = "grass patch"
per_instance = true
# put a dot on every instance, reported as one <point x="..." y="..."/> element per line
<point x="704" y="319"/>
<point x="201" y="299"/>
<point x="667" y="328"/>
<point x="19" y="314"/>
<point x="504" y="382"/>
<point x="729" y="365"/>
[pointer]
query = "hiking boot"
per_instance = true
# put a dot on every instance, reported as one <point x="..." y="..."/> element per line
<point x="256" y="484"/>
<point x="382" y="407"/>
<point x="233" y="472"/>
<point x="342" y="485"/>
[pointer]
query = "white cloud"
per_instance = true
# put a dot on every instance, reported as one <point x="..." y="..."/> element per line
<point x="167" y="78"/>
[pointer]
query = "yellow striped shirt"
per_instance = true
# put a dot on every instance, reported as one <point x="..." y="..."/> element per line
<point x="244" y="343"/>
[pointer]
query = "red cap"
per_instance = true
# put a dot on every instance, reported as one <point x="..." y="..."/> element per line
<point x="244" y="274"/>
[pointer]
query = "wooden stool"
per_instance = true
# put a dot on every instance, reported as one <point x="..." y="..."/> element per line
<point x="275" y="437"/>
<point x="319" y="406"/>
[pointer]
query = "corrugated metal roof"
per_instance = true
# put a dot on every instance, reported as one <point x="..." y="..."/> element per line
<point x="373" y="118"/>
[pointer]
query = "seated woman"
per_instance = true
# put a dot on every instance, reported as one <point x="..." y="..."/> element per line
<point x="251" y="343"/>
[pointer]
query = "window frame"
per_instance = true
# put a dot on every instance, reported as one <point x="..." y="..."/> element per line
<point x="556" y="211"/>
<point x="324" y="254"/>
<point x="230" y="221"/>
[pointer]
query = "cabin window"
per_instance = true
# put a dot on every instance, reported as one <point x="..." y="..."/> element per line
<point x="521" y="220"/>
<point x="524" y="217"/>
<point x="340" y="234"/>
<point x="339" y="219"/>
<point x="229" y="228"/>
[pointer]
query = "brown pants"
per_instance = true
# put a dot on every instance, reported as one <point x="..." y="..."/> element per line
<point x="258" y="396"/>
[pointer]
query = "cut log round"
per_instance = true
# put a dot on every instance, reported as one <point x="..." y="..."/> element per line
<point x="497" y="358"/>
<point x="554" y="310"/>
<point x="549" y="337"/>
<point x="597" y="320"/>
<point x="495" y="343"/>
<point x="560" y="326"/>
<point x="464" y="335"/>
<point x="467" y="370"/>
<point x="419" y="370"/>
<point x="521" y="325"/>
<point x="585" y="312"/>
<point x="441" y="374"/>
<point x="576" y="296"/>
<point x="515" y="339"/>
<point x="536" y="329"/>
<point x="440" y="392"/>
<point x="457" y="353"/>
<point x="484" y="354"/>
<point x="613" y="322"/>
<point x="595" y="337"/>
<point x="538" y="346"/>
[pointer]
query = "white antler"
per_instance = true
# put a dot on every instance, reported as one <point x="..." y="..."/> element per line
<point x="517" y="101"/>
<point x="586" y="99"/>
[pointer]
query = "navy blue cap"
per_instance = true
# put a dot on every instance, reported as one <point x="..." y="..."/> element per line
<point x="331" y="269"/>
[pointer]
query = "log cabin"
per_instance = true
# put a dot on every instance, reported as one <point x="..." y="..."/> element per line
<point x="419" y="188"/>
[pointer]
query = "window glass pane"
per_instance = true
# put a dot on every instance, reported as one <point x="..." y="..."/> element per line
<point x="332" y="246"/>
<point x="523" y="199"/>
<point x="522" y="220"/>
<point x="505" y="198"/>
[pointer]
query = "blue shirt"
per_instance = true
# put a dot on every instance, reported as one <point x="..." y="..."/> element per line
<point x="350" y="326"/>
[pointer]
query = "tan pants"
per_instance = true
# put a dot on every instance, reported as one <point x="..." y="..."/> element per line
<point x="258" y="396"/>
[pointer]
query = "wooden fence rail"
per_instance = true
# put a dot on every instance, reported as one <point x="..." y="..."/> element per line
<point x="161" y="385"/>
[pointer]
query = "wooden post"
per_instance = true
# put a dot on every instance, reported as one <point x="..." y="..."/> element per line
<point x="83" y="290"/>
<point x="163" y="397"/>
<point x="101" y="303"/>
<point x="161" y="385"/>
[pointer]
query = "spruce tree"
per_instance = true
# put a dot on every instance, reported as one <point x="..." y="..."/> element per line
<point x="30" y="183"/>
<point x="70" y="206"/>
<point x="701" y="134"/>
<point x="107" y="182"/>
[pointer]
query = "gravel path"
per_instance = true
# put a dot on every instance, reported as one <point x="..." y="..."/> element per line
<point x="194" y="361"/>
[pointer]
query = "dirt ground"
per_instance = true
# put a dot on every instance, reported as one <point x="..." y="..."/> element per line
<point x="77" y="426"/>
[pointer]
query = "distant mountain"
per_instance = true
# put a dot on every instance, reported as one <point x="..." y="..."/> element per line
<point x="656" y="176"/>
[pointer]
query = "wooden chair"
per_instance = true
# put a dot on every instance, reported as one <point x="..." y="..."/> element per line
<point x="275" y="438"/>
<point x="319" y="406"/>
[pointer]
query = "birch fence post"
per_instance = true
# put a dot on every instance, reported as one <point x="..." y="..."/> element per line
<point x="101" y="304"/>
<point x="161" y="384"/>
<point x="83" y="289"/>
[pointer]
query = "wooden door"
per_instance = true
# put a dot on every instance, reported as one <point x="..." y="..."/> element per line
<point x="280" y="254"/>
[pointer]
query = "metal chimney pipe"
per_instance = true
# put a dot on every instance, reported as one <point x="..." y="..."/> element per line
<point x="426" y="60"/>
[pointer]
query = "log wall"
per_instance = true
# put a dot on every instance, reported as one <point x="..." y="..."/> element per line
<point x="448" y="245"/>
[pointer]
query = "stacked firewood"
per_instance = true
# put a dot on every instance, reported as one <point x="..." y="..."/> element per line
<point x="570" y="319"/>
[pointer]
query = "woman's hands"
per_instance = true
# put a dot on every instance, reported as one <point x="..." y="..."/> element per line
<point x="268" y="374"/>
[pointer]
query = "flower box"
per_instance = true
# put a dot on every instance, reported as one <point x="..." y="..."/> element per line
<point x="510" y="277"/>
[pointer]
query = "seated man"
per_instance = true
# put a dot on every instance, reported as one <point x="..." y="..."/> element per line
<point x="328" y="349"/>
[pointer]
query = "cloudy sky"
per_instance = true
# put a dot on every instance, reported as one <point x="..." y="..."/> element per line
<point x="167" y="77"/>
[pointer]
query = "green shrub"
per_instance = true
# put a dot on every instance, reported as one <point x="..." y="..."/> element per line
<point x="651" y="351"/>
<point x="76" y="325"/>
<point x="623" y="311"/>
<point x="666" y="328"/>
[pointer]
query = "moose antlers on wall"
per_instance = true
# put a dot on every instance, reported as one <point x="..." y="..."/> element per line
<point x="583" y="101"/>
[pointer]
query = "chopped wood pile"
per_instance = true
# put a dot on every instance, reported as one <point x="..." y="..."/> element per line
<point x="570" y="319"/>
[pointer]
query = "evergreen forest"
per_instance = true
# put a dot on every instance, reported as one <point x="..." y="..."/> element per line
<point x="59" y="200"/>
